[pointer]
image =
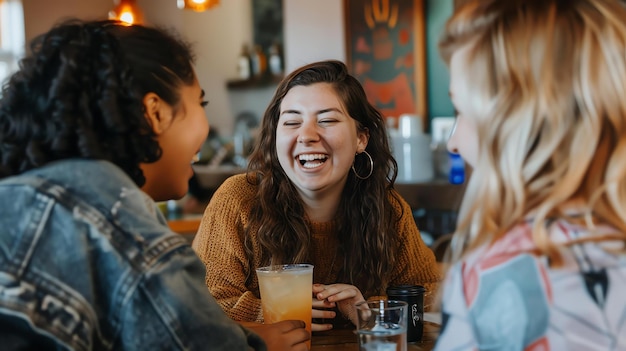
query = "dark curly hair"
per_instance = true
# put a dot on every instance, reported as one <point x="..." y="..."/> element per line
<point x="365" y="215"/>
<point x="79" y="95"/>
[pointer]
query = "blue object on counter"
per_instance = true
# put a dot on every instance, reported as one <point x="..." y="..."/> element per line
<point x="457" y="169"/>
<point x="174" y="211"/>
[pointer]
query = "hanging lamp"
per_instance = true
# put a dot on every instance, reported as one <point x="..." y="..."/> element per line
<point x="126" y="11"/>
<point x="197" y="5"/>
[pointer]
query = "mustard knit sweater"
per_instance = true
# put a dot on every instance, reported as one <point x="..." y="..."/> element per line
<point x="218" y="245"/>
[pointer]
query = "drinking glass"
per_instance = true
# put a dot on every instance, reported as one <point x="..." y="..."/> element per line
<point x="286" y="292"/>
<point x="382" y="325"/>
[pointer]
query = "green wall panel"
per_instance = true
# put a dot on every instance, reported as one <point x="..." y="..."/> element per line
<point x="439" y="104"/>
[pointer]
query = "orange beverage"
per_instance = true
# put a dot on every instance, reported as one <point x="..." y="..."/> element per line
<point x="286" y="292"/>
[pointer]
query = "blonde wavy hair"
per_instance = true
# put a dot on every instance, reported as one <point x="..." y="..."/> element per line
<point x="549" y="92"/>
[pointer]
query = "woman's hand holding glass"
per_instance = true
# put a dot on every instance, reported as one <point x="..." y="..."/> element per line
<point x="343" y="296"/>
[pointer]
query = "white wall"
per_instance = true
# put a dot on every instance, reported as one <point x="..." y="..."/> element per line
<point x="217" y="36"/>
<point x="313" y="30"/>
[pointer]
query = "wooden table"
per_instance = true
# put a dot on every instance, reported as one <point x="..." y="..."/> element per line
<point x="187" y="226"/>
<point x="346" y="340"/>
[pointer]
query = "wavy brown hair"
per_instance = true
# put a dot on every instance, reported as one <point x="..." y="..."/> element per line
<point x="366" y="218"/>
<point x="548" y="85"/>
<point x="79" y="95"/>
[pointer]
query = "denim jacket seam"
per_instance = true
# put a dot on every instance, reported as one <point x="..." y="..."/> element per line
<point x="162" y="247"/>
<point x="36" y="230"/>
<point x="169" y="321"/>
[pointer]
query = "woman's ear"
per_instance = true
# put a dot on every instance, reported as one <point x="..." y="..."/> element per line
<point x="363" y="137"/>
<point x="156" y="112"/>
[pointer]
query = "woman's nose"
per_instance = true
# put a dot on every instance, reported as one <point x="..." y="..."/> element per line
<point x="308" y="133"/>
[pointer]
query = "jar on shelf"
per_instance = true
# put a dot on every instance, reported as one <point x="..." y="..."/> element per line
<point x="275" y="60"/>
<point x="259" y="61"/>
<point x="244" y="63"/>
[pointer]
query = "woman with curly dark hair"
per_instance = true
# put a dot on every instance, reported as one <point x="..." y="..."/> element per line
<point x="319" y="189"/>
<point x="100" y="120"/>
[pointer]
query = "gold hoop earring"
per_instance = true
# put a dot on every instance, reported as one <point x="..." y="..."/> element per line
<point x="371" y="166"/>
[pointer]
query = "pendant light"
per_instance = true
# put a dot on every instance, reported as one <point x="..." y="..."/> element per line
<point x="126" y="11"/>
<point x="197" y="5"/>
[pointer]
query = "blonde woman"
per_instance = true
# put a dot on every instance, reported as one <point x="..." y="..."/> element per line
<point x="538" y="255"/>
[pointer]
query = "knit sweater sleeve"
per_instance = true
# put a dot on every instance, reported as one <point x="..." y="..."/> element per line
<point x="416" y="263"/>
<point x="219" y="245"/>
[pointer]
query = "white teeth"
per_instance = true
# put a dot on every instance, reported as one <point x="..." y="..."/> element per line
<point x="312" y="164"/>
<point x="312" y="157"/>
<point x="312" y="160"/>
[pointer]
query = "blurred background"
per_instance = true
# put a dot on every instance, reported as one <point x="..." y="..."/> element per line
<point x="244" y="48"/>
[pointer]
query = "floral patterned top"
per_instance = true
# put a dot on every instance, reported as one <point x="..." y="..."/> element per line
<point x="506" y="296"/>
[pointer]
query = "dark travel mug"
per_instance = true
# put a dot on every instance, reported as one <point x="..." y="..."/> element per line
<point x="413" y="295"/>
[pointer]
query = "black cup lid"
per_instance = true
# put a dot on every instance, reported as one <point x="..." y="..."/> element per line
<point x="405" y="290"/>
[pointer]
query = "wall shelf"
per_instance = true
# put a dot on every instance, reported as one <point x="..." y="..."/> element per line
<point x="252" y="83"/>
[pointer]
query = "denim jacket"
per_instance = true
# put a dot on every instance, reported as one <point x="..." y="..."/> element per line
<point x="87" y="262"/>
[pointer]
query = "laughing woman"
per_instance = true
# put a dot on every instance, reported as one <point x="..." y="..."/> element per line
<point x="319" y="190"/>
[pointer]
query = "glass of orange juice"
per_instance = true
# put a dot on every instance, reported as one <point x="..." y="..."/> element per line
<point x="286" y="292"/>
